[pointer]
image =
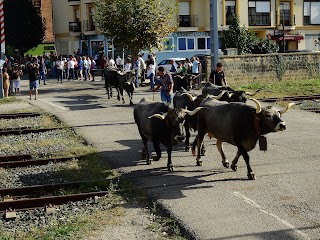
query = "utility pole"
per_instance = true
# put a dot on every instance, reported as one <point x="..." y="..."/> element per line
<point x="3" y="46"/>
<point x="214" y="39"/>
<point x="283" y="33"/>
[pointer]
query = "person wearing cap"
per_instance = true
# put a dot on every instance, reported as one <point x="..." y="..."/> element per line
<point x="166" y="85"/>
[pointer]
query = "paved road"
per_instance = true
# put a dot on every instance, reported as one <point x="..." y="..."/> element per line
<point x="210" y="201"/>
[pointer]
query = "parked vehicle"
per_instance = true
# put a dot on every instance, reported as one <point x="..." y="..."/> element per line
<point x="166" y="63"/>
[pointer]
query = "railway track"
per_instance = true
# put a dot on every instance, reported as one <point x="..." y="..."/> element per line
<point x="20" y="131"/>
<point x="19" y="115"/>
<point x="295" y="98"/>
<point x="22" y="162"/>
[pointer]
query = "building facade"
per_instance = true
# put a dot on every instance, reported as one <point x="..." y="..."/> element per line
<point x="298" y="21"/>
<point x="75" y="29"/>
<point x="44" y="9"/>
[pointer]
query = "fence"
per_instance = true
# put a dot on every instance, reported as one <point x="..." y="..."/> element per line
<point x="242" y="69"/>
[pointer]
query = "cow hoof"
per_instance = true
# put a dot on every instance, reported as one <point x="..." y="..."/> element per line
<point x="199" y="163"/>
<point x="203" y="153"/>
<point x="187" y="148"/>
<point x="251" y="176"/>
<point x="156" y="158"/>
<point x="234" y="167"/>
<point x="149" y="162"/>
<point x="108" y="97"/>
<point x="170" y="168"/>
<point x="225" y="164"/>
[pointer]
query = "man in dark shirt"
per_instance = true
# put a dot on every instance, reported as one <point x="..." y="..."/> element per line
<point x="33" y="81"/>
<point x="166" y="85"/>
<point x="217" y="76"/>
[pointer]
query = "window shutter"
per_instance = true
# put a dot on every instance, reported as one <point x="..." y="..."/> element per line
<point x="263" y="7"/>
<point x="315" y="13"/>
<point x="184" y="8"/>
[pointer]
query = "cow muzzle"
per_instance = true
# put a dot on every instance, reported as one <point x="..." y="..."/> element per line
<point x="179" y="138"/>
<point x="281" y="126"/>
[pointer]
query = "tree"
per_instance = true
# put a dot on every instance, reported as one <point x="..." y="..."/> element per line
<point x="24" y="28"/>
<point x="245" y="41"/>
<point x="136" y="24"/>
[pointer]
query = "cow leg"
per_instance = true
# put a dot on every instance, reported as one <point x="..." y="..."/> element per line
<point x="169" y="164"/>
<point x="234" y="164"/>
<point x="187" y="129"/>
<point x="225" y="161"/>
<point x="199" y="139"/>
<point x="245" y="155"/>
<point x="193" y="148"/>
<point x="156" y="145"/>
<point x="118" y="97"/>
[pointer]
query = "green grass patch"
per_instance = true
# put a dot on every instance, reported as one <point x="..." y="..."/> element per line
<point x="283" y="88"/>
<point x="11" y="99"/>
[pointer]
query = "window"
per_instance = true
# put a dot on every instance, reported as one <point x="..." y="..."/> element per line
<point x="259" y="13"/>
<point x="311" y="12"/>
<point x="186" y="44"/>
<point x="203" y="43"/>
<point x="184" y="14"/>
<point x="230" y="10"/>
<point x="285" y="13"/>
<point x="168" y="44"/>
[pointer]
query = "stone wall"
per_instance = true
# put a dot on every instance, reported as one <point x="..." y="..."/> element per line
<point x="242" y="69"/>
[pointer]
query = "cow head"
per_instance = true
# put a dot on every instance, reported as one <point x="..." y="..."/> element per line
<point x="268" y="119"/>
<point x="174" y="120"/>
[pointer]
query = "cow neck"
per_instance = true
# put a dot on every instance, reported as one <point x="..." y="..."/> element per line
<point x="257" y="126"/>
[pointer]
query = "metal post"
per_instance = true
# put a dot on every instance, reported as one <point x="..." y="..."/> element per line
<point x="214" y="38"/>
<point x="3" y="45"/>
<point x="283" y="33"/>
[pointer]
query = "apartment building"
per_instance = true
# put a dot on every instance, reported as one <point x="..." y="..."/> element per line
<point x="75" y="29"/>
<point x="44" y="9"/>
<point x="298" y="21"/>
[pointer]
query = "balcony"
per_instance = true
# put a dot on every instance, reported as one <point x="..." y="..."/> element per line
<point x="75" y="27"/>
<point x="188" y="21"/>
<point x="89" y="26"/>
<point x="73" y="2"/>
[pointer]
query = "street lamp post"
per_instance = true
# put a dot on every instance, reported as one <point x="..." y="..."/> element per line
<point x="283" y="33"/>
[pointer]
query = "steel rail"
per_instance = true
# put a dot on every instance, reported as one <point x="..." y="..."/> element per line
<point x="294" y="98"/>
<point x="32" y="162"/>
<point x="24" y="204"/>
<point x="15" y="157"/>
<point x="30" y="130"/>
<point x="19" y="115"/>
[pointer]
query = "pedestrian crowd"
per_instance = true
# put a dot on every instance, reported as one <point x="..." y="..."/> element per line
<point x="84" y="68"/>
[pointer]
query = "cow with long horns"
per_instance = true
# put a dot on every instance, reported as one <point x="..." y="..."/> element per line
<point x="226" y="93"/>
<point x="159" y="123"/>
<point x="238" y="124"/>
<point x="190" y="101"/>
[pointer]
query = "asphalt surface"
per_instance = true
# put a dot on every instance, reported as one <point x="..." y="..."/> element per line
<point x="210" y="201"/>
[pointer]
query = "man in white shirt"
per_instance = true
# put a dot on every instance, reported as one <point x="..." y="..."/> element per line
<point x="111" y="62"/>
<point x="118" y="62"/>
<point x="71" y="64"/>
<point x="143" y="68"/>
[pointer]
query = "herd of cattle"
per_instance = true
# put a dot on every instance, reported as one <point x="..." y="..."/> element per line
<point x="220" y="112"/>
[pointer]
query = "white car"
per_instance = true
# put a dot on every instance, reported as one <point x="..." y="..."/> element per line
<point x="166" y="63"/>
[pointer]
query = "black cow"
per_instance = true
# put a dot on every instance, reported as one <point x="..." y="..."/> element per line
<point x="190" y="101"/>
<point x="238" y="124"/>
<point x="183" y="81"/>
<point x="226" y="93"/>
<point x="121" y="81"/>
<point x="159" y="123"/>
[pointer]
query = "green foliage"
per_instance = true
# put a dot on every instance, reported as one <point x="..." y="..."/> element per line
<point x="136" y="24"/>
<point x="279" y="66"/>
<point x="24" y="28"/>
<point x="245" y="41"/>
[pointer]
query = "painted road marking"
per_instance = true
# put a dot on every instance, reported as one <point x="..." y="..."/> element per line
<point x="256" y="205"/>
<point x="54" y="105"/>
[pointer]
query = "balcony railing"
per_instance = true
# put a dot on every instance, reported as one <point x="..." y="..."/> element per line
<point x="74" y="26"/>
<point x="88" y="26"/>
<point x="188" y="21"/>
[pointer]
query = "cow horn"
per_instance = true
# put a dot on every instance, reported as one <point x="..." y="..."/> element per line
<point x="192" y="98"/>
<point x="191" y="113"/>
<point x="160" y="116"/>
<point x="258" y="110"/>
<point x="219" y="96"/>
<point x="287" y="108"/>
<point x="252" y="94"/>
